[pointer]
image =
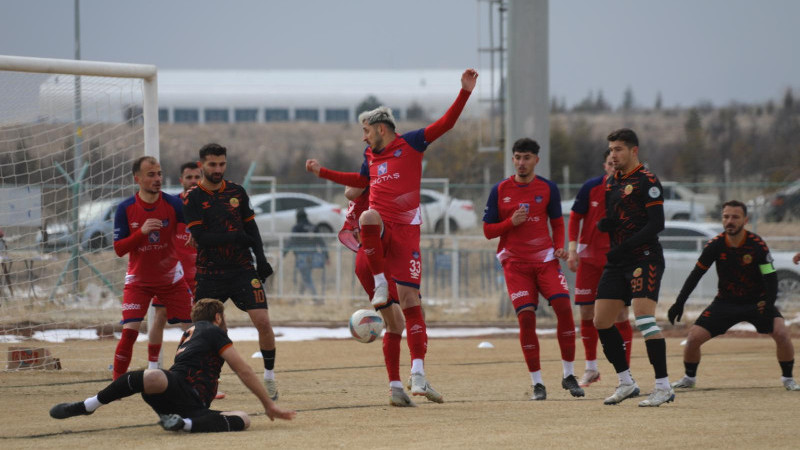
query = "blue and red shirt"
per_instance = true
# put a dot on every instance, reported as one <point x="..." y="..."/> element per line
<point x="153" y="260"/>
<point x="589" y="207"/>
<point x="530" y="241"/>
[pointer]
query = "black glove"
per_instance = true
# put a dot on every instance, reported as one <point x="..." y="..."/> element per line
<point x="264" y="269"/>
<point x="606" y="225"/>
<point x="615" y="255"/>
<point x="675" y="313"/>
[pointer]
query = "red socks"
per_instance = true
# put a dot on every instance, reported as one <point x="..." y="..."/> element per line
<point x="589" y="338"/>
<point x="626" y="331"/>
<point x="565" y="330"/>
<point x="529" y="340"/>
<point x="391" y="355"/>
<point x="153" y="350"/>
<point x="416" y="332"/>
<point x="373" y="248"/>
<point x="122" y="356"/>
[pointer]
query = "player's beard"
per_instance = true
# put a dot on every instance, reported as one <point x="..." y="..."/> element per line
<point x="214" y="178"/>
<point x="733" y="230"/>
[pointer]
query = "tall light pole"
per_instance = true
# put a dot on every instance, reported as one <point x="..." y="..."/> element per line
<point x="78" y="158"/>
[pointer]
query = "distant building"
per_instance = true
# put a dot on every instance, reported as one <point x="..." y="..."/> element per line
<point x="236" y="96"/>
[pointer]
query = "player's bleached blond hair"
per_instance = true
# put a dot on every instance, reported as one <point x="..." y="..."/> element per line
<point x="381" y="114"/>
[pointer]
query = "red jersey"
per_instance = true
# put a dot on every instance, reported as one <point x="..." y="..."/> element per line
<point x="153" y="260"/>
<point x="590" y="207"/>
<point x="186" y="253"/>
<point x="530" y="241"/>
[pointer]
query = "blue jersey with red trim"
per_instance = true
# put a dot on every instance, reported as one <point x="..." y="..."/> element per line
<point x="530" y="241"/>
<point x="394" y="177"/>
<point x="154" y="262"/>
<point x="590" y="204"/>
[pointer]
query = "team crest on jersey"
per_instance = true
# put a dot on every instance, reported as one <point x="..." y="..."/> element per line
<point x="383" y="168"/>
<point x="235" y="202"/>
<point x="628" y="189"/>
<point x="637" y="273"/>
<point x="654" y="192"/>
<point x="525" y="206"/>
<point x="255" y="283"/>
<point x="415" y="255"/>
<point x="398" y="152"/>
<point x="538" y="199"/>
<point x="154" y="237"/>
<point x="747" y="259"/>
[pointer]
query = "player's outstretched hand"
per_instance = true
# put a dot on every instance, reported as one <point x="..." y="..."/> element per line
<point x="312" y="165"/>
<point x="277" y="413"/>
<point x="675" y="313"/>
<point x="469" y="79"/>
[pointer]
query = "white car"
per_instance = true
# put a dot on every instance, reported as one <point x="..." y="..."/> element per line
<point x="434" y="204"/>
<point x="673" y="210"/>
<point x="327" y="217"/>
<point x="684" y="241"/>
<point x="675" y="191"/>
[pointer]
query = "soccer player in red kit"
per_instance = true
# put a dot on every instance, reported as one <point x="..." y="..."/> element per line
<point x="390" y="232"/>
<point x="587" y="255"/>
<point x="518" y="211"/>
<point x="391" y="312"/>
<point x="145" y="227"/>
<point x="190" y="176"/>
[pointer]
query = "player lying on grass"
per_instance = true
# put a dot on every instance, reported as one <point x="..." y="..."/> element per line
<point x="181" y="396"/>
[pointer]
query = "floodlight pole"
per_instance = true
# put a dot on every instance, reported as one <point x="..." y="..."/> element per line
<point x="78" y="157"/>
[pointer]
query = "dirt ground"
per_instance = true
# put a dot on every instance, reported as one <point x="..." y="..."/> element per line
<point x="339" y="389"/>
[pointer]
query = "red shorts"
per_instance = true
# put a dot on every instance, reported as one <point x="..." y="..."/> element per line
<point x="401" y="252"/>
<point x="176" y="298"/>
<point x="525" y="281"/>
<point x="586" y="282"/>
<point x="368" y="280"/>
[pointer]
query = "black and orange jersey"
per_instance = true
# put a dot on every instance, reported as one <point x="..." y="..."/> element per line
<point x="740" y="269"/>
<point x="198" y="359"/>
<point x="627" y="198"/>
<point x="222" y="211"/>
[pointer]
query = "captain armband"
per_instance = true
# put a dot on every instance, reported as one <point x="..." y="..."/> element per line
<point x="766" y="269"/>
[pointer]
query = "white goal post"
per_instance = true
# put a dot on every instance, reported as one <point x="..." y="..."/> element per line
<point x="146" y="72"/>
<point x="69" y="133"/>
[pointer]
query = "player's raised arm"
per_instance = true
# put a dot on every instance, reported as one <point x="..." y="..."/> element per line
<point x="435" y="130"/>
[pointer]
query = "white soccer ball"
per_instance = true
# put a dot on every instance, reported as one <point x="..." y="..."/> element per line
<point x="365" y="325"/>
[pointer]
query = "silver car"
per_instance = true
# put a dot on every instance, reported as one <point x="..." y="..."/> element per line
<point x="326" y="216"/>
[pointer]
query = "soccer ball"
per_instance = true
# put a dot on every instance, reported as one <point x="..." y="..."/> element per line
<point x="365" y="325"/>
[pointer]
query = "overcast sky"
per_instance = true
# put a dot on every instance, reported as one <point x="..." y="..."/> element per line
<point x="689" y="50"/>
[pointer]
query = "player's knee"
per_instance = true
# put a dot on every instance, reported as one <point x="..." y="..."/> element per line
<point x="370" y="217"/>
<point x="155" y="381"/>
<point x="647" y="326"/>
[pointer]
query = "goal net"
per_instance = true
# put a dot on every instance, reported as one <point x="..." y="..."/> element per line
<point x="69" y="133"/>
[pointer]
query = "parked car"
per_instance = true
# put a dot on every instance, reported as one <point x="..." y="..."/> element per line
<point x="684" y="241"/>
<point x="783" y="205"/>
<point x="434" y="204"/>
<point x="96" y="227"/>
<point x="673" y="210"/>
<point x="675" y="191"/>
<point x="326" y="216"/>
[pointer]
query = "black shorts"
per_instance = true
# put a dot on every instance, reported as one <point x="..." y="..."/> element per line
<point x="179" y="398"/>
<point x="626" y="281"/>
<point x="719" y="316"/>
<point x="243" y="288"/>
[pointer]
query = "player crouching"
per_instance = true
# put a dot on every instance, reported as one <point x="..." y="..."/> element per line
<point x="181" y="396"/>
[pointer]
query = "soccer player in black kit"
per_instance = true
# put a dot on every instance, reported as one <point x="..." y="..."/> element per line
<point x="747" y="289"/>
<point x="181" y="396"/>
<point x="635" y="264"/>
<point x="219" y="216"/>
